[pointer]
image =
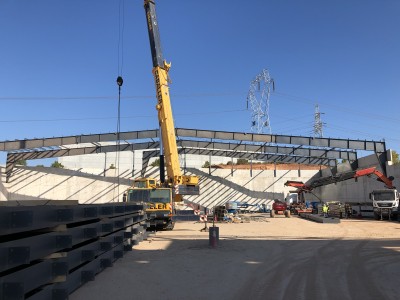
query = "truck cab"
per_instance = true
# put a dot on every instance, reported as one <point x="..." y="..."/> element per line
<point x="385" y="203"/>
<point x="157" y="201"/>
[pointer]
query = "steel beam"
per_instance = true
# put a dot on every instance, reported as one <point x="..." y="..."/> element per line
<point x="77" y="139"/>
<point x="283" y="150"/>
<point x="376" y="146"/>
<point x="264" y="152"/>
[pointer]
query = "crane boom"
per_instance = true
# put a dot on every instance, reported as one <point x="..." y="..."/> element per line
<point x="388" y="181"/>
<point x="183" y="184"/>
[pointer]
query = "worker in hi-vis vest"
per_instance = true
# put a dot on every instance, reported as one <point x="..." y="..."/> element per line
<point x="325" y="210"/>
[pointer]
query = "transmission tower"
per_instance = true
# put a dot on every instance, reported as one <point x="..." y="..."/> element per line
<point x="258" y="97"/>
<point x="318" y="124"/>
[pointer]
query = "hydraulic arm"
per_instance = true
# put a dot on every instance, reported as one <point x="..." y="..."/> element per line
<point x="184" y="185"/>
<point x="388" y="181"/>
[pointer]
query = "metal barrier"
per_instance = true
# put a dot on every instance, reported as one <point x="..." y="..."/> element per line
<point x="47" y="252"/>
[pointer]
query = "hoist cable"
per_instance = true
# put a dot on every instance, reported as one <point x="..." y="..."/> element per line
<point x="120" y="55"/>
<point x="121" y="28"/>
<point x="120" y="81"/>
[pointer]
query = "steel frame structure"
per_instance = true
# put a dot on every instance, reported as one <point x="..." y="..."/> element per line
<point x="265" y="147"/>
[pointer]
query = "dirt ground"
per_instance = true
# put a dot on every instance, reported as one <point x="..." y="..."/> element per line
<point x="278" y="258"/>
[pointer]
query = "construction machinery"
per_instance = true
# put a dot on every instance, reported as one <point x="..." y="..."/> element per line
<point x="161" y="197"/>
<point x="296" y="203"/>
<point x="279" y="208"/>
<point x="385" y="202"/>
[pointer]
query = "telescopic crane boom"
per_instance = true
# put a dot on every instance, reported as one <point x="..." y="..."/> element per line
<point x="182" y="184"/>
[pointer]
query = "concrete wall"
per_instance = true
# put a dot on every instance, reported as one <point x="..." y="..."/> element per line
<point x="96" y="185"/>
<point x="357" y="191"/>
<point x="91" y="186"/>
<point x="128" y="160"/>
<point x="3" y="190"/>
<point x="44" y="183"/>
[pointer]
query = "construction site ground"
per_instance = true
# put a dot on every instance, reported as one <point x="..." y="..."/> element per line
<point x="265" y="258"/>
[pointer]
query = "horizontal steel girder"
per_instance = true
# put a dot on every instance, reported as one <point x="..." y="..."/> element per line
<point x="376" y="146"/>
<point x="12" y="158"/>
<point x="284" y="150"/>
<point x="274" y="158"/>
<point x="78" y="139"/>
<point x="278" y="158"/>
<point x="229" y="148"/>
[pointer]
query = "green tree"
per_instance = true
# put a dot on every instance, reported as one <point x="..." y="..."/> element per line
<point x="395" y="158"/>
<point x="21" y="162"/>
<point x="57" y="164"/>
<point x="242" y="161"/>
<point x="206" y="164"/>
<point x="155" y="163"/>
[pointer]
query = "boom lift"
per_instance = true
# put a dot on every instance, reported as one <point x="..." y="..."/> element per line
<point x="161" y="197"/>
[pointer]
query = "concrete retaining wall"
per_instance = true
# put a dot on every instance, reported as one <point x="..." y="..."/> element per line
<point x="3" y="190"/>
<point x="357" y="191"/>
<point x="95" y="186"/>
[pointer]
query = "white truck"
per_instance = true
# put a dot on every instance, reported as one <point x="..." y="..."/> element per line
<point x="385" y="203"/>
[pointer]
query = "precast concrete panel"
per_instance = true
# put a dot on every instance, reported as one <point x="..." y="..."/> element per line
<point x="343" y="144"/>
<point x="356" y="144"/>
<point x="319" y="142"/>
<point x="283" y="139"/>
<point x="241" y="136"/>
<point x="224" y="135"/>
<point x="147" y="134"/>
<point x="263" y="138"/>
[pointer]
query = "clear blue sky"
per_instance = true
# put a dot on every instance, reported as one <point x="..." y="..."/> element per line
<point x="59" y="62"/>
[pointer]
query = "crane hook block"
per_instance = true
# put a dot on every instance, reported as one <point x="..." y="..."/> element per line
<point x="120" y="81"/>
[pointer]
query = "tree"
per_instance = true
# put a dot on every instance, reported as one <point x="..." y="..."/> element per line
<point x="21" y="162"/>
<point x="242" y="161"/>
<point x="206" y="164"/>
<point x="395" y="158"/>
<point x="155" y="163"/>
<point x="56" y="164"/>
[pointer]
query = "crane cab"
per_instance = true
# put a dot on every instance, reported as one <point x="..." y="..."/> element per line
<point x="145" y="183"/>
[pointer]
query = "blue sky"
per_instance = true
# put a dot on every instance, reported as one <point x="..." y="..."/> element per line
<point x="59" y="61"/>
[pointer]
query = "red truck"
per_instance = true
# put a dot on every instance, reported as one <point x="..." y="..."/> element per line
<point x="280" y="208"/>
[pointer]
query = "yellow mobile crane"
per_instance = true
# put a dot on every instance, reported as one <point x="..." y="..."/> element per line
<point x="160" y="198"/>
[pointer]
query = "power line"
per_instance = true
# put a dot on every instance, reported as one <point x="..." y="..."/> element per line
<point x="287" y="96"/>
<point x="51" y="98"/>
<point x="203" y="95"/>
<point x="113" y="118"/>
<point x="335" y="107"/>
